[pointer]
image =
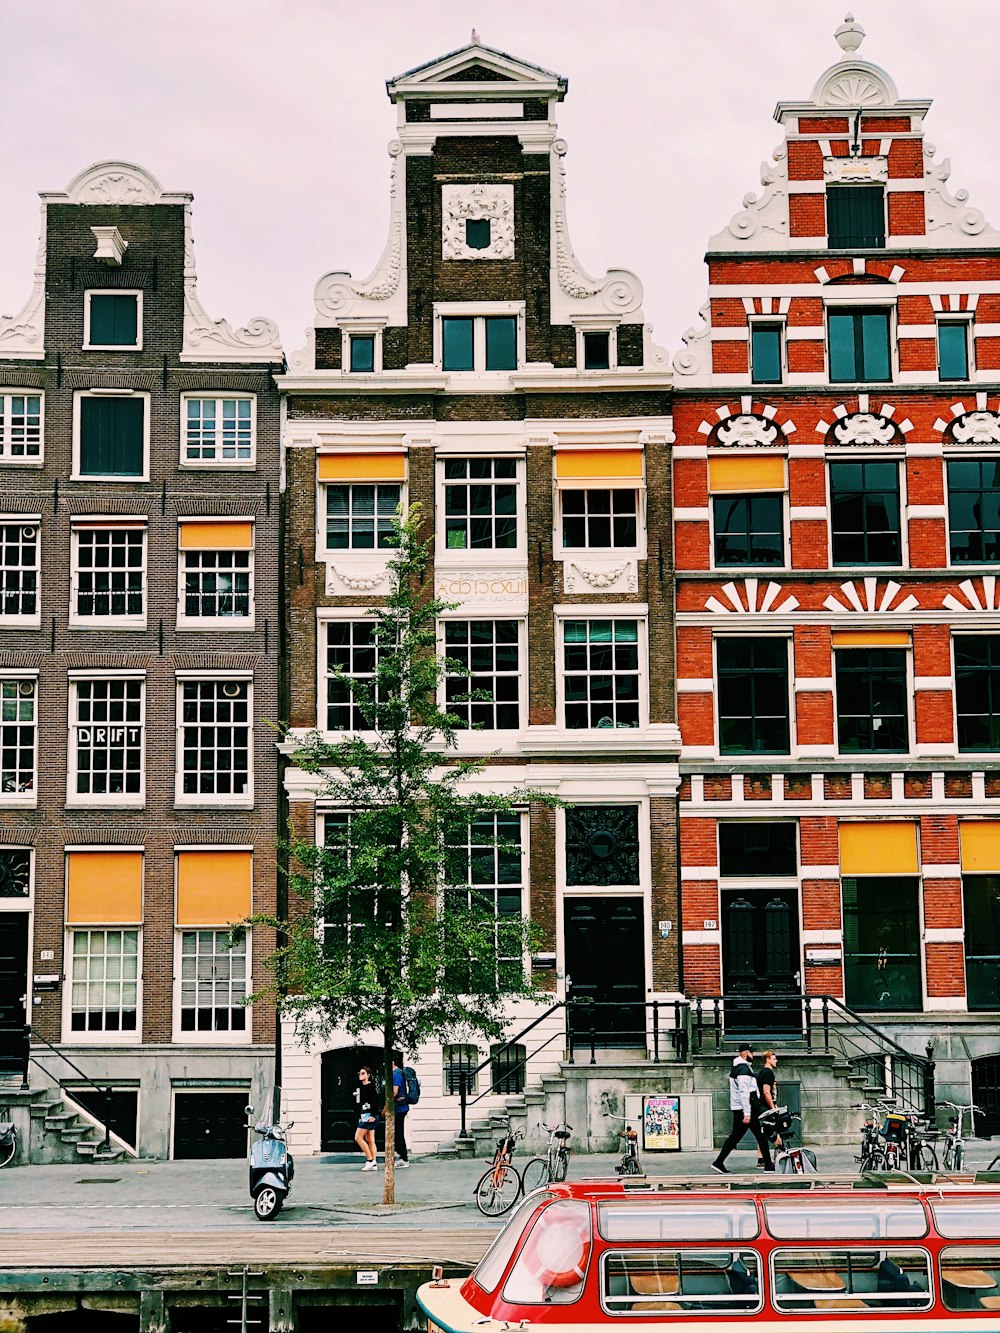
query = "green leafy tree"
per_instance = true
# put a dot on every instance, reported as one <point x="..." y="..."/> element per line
<point x="387" y="931"/>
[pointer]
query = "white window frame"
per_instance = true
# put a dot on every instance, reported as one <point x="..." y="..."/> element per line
<point x="524" y="885"/>
<point x="770" y="320"/>
<point x="108" y="478"/>
<point x="562" y="552"/>
<point x="637" y="611"/>
<point x="86" y="800"/>
<point x="966" y="317"/>
<point x="978" y="454"/>
<point x="488" y="556"/>
<point x="236" y="623"/>
<point x="470" y="738"/>
<point x="755" y="760"/>
<point x="89" y="346"/>
<point x="101" y="1037"/>
<point x="896" y="457"/>
<point x="226" y="1037"/>
<point x="478" y="312"/>
<point x="750" y="571"/>
<point x="327" y="615"/>
<point x="33" y="620"/>
<point x="860" y="757"/>
<point x="22" y="799"/>
<point x="608" y="326"/>
<point x="7" y="459"/>
<point x="237" y="464"/>
<point x="352" y="554"/>
<point x="362" y="328"/>
<point x="241" y="800"/>
<point x="96" y="523"/>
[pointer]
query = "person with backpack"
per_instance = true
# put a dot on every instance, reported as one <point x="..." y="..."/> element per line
<point x="405" y="1092"/>
<point x="744" y="1102"/>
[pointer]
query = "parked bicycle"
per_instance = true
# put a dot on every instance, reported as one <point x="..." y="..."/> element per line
<point x="790" y="1161"/>
<point x="554" y="1166"/>
<point x="8" y="1138"/>
<point x="871" y="1157"/>
<point x="954" y="1142"/>
<point x="629" y="1165"/>
<point x="500" y="1187"/>
<point x="921" y="1146"/>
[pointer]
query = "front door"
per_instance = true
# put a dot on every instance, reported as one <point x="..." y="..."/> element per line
<point x="13" y="991"/>
<point x="210" y="1124"/>
<point x="605" y="966"/>
<point x="339" y="1110"/>
<point x="760" y="961"/>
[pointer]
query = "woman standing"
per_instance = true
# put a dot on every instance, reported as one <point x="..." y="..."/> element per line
<point x="368" y="1113"/>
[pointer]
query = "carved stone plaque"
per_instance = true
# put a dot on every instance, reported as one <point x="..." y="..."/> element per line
<point x="495" y="590"/>
<point x="477" y="221"/>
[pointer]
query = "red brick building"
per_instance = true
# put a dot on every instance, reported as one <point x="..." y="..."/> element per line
<point x="837" y="533"/>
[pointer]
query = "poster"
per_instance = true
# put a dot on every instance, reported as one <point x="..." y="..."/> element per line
<point x="661" y="1123"/>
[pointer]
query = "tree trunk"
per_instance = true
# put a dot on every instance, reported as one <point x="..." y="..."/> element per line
<point x="389" y="1180"/>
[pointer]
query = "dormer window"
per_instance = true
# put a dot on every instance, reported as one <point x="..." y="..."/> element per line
<point x="477" y="233"/>
<point x="855" y="217"/>
<point x="597" y="351"/>
<point x="363" y="353"/>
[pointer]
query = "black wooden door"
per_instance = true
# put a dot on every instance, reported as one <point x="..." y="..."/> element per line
<point x="339" y="1110"/>
<point x="13" y="991"/>
<point x="210" y="1124"/>
<point x="760" y="961"/>
<point x="605" y="967"/>
<point x="986" y="1093"/>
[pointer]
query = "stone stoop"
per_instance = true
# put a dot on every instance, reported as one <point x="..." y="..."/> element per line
<point x="54" y="1133"/>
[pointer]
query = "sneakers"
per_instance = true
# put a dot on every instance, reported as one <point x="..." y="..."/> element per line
<point x="722" y="1170"/>
<point x="370" y="1166"/>
<point x="770" y="1168"/>
<point x="401" y="1162"/>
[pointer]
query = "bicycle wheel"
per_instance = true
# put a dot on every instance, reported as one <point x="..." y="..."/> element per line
<point x="7" y="1150"/>
<point x="959" y="1156"/>
<point x="949" y="1156"/>
<point x="562" y="1164"/>
<point x="535" y="1174"/>
<point x="876" y="1160"/>
<point x="498" y="1191"/>
<point x="632" y="1167"/>
<point x="924" y="1157"/>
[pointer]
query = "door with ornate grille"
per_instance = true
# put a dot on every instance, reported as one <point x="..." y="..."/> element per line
<point x="760" y="961"/>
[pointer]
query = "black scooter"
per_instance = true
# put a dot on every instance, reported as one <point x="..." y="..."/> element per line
<point x="271" y="1164"/>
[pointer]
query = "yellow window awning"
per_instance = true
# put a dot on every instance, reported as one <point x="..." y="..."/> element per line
<point x="871" y="638"/>
<point x="217" y="535"/>
<point x="214" y="888"/>
<point x="362" y="467"/>
<point x="879" y="848"/>
<point x="746" y="474"/>
<point x="103" y="888"/>
<point x="601" y="467"/>
<point x="980" y="846"/>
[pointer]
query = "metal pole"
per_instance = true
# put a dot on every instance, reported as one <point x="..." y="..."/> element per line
<point x="462" y="1096"/>
<point x="593" y="1036"/>
<point x="656" y="1029"/>
<point x="826" y="1025"/>
<point x="808" y="1017"/>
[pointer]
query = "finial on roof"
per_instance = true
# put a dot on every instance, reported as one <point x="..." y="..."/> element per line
<point x="849" y="35"/>
<point x="475" y="37"/>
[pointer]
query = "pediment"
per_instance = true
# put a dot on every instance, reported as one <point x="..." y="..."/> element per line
<point x="477" y="64"/>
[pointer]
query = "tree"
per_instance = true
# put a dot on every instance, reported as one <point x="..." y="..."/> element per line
<point x="388" y="929"/>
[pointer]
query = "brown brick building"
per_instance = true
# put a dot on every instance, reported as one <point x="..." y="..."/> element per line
<point x="480" y="372"/>
<point x="139" y="636"/>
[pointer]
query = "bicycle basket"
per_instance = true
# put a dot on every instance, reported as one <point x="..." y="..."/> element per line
<point x="894" y="1128"/>
<point x="778" y="1121"/>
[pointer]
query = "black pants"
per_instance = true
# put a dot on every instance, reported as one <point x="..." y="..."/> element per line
<point x="400" y="1135"/>
<point x="738" y="1130"/>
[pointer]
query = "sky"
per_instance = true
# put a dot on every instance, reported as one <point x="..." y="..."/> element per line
<point x="274" y="114"/>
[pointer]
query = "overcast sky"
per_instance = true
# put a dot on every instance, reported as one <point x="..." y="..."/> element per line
<point x="274" y="113"/>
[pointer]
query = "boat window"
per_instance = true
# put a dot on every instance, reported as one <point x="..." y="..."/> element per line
<point x="646" y="1282"/>
<point x="679" y="1219"/>
<point x="850" y="1279"/>
<point x="970" y="1277"/>
<point x="957" y="1217"/>
<point x="497" y="1257"/>
<point x="845" y="1219"/>
<point x="552" y="1264"/>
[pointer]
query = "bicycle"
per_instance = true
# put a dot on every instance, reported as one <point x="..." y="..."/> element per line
<point x="554" y="1166"/>
<point x="921" y="1144"/>
<point x="872" y="1156"/>
<point x="8" y="1138"/>
<point x="629" y="1164"/>
<point x="954" y="1142"/>
<point x="790" y="1161"/>
<point x="499" y="1188"/>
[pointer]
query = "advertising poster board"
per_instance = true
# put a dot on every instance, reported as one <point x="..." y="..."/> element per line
<point x="661" y="1122"/>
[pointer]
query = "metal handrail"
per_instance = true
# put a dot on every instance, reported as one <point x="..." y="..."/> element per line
<point x="105" y="1092"/>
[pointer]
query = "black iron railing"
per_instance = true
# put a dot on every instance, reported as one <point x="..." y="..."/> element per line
<point x="105" y="1092"/>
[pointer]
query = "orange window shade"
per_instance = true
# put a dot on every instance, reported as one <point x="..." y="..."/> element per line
<point x="879" y="848"/>
<point x="605" y="465"/>
<point x="980" y="846"/>
<point x="103" y="888"/>
<point x="362" y="467"/>
<point x="871" y="638"/>
<point x="746" y="474"/>
<point x="217" y="536"/>
<point x="213" y="888"/>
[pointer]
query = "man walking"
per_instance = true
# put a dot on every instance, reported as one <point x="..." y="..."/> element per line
<point x="767" y="1088"/>
<point x="744" y="1103"/>
<point x="400" y="1107"/>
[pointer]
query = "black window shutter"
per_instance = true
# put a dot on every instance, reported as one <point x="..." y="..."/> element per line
<point x="111" y="437"/>
<point x="127" y="448"/>
<point x="855" y="217"/>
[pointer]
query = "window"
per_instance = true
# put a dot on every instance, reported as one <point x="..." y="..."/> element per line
<point x="113" y="320"/>
<point x="599" y="519"/>
<point x="678" y="1219"/>
<point x="111" y="436"/>
<point x="362" y="353"/>
<point x="480" y="504"/>
<point x="15" y="872"/>
<point x="713" y="1281"/>
<point x="749" y="529"/>
<point x="217" y="585"/>
<point x="859" y="346"/>
<point x="602" y="846"/>
<point x="361" y="517"/>
<point x="107" y="740"/>
<point x="765" y="353"/>
<point x="507" y="1068"/>
<point x="218" y="430"/>
<point x="757" y="849"/>
<point x="977" y="692"/>
<point x="981" y="897"/>
<point x="109" y="573"/>
<point x="601" y="673"/>
<point x="530" y="1283"/>
<point x="484" y="878"/>
<point x="855" y="217"/>
<point x="19" y="556"/>
<point x="752" y="696"/>
<point x="352" y="651"/>
<point x="871" y="701"/>
<point x="105" y="981"/>
<point x="460" y="1063"/>
<point x="953" y="349"/>
<point x="213" y="981"/>
<point x="864" y="513"/>
<point x="347" y="911"/>
<point x="214" y="742"/>
<point x="488" y="652"/>
<point x="862" y="1279"/>
<point x="20" y="427"/>
<point x="843" y="1219"/>
<point x="481" y="342"/>
<point x="962" y="1264"/>
<point x="882" y="943"/>
<point x="18" y="732"/>
<point x="596" y="351"/>
<point x="974" y="510"/>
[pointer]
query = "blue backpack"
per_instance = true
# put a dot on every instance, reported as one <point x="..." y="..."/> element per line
<point x="412" y="1084"/>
